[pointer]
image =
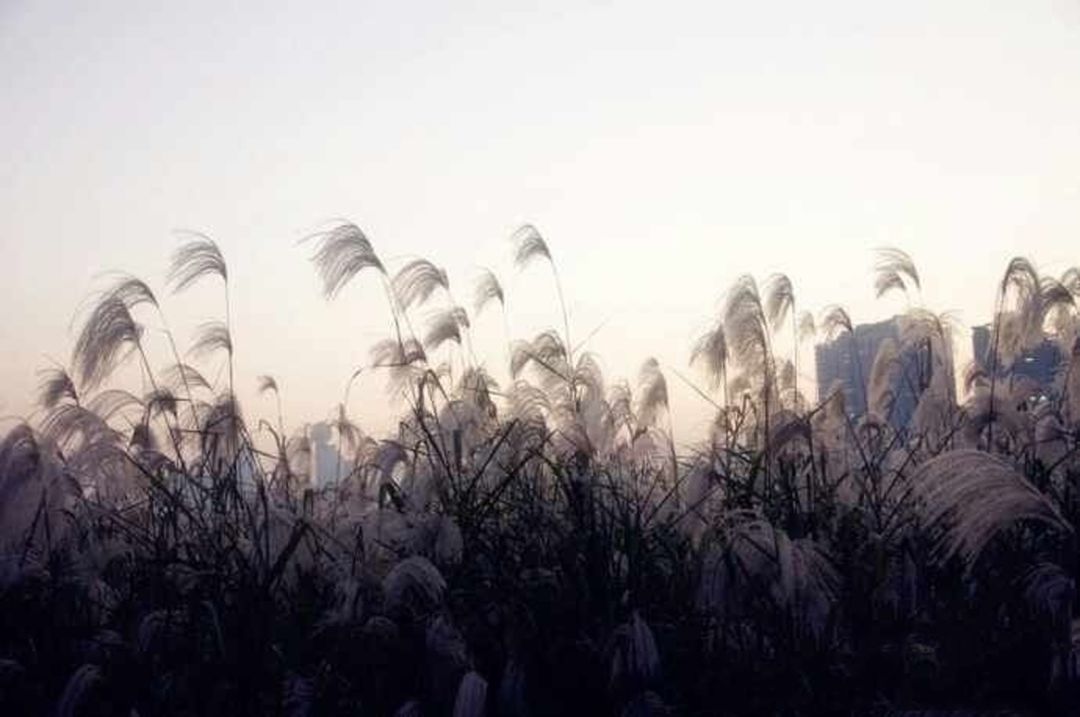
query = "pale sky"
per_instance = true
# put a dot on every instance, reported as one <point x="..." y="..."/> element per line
<point x="662" y="149"/>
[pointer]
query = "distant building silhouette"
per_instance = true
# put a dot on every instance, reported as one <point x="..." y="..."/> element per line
<point x="324" y="456"/>
<point x="837" y="366"/>
<point x="1040" y="364"/>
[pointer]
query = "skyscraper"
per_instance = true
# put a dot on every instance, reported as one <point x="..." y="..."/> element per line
<point x="837" y="364"/>
<point x="1040" y="363"/>
<point x="325" y="465"/>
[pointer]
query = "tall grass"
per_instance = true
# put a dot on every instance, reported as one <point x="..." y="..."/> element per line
<point x="542" y="547"/>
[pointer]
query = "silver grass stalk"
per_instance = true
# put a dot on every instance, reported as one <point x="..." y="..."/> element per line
<point x="970" y="497"/>
<point x="107" y="337"/>
<point x="929" y="333"/>
<point x="445" y="325"/>
<point x="80" y="685"/>
<point x="108" y="404"/>
<point x="349" y="437"/>
<point x="414" y="587"/>
<point x="880" y="392"/>
<point x="652" y="393"/>
<point x="210" y="337"/>
<point x="447" y="655"/>
<point x="32" y="479"/>
<point x="415" y="282"/>
<point x="547" y="352"/>
<point x="779" y="302"/>
<point x="511" y="697"/>
<point x="405" y="362"/>
<point x="797" y="573"/>
<point x="56" y="386"/>
<point x="340" y="254"/>
<point x="471" y="699"/>
<point x="635" y="660"/>
<point x="712" y="350"/>
<point x="746" y="327"/>
<point x="195" y="259"/>
<point x="179" y="375"/>
<point x="1050" y="590"/>
<point x="222" y="432"/>
<point x="836" y="320"/>
<point x="779" y="299"/>
<point x="389" y="353"/>
<point x="161" y="401"/>
<point x="67" y="424"/>
<point x="268" y="384"/>
<point x="894" y="270"/>
<point x="411" y="708"/>
<point x="343" y="252"/>
<point x="1020" y="276"/>
<point x="488" y="289"/>
<point x="529" y="245"/>
<point x="588" y="378"/>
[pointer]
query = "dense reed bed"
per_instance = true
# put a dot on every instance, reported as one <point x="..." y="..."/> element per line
<point x="542" y="547"/>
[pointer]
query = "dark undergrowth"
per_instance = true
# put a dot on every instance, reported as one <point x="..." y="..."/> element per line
<point x="543" y="547"/>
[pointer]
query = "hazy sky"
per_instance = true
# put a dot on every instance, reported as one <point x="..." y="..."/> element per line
<point x="662" y="149"/>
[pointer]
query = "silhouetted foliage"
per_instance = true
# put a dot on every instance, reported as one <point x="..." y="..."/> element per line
<point x="545" y="547"/>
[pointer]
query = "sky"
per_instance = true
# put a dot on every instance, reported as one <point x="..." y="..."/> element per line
<point x="661" y="149"/>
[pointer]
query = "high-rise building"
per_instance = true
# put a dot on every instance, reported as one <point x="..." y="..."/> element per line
<point x="1040" y="363"/>
<point x="838" y="364"/>
<point x="325" y="463"/>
